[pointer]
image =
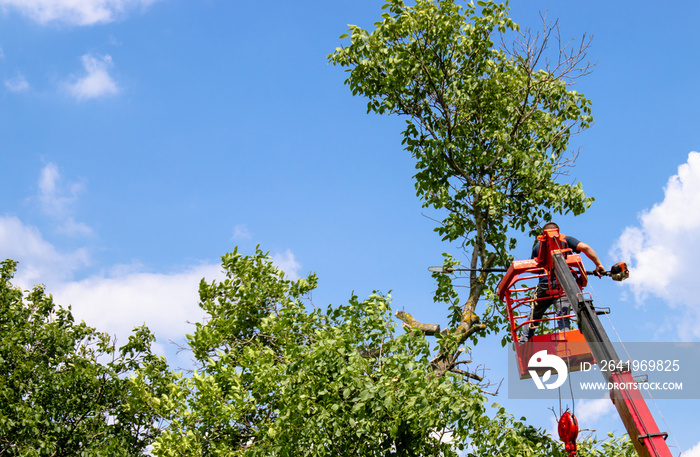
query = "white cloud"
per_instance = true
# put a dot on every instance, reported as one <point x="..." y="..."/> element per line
<point x="117" y="301"/>
<point x="74" y="12"/>
<point x="662" y="249"/>
<point x="589" y="411"/>
<point x="72" y="228"/>
<point x="39" y="261"/>
<point x="57" y="198"/>
<point x="287" y="263"/>
<point x="97" y="81"/>
<point x="164" y="302"/>
<point x="693" y="451"/>
<point x="16" y="84"/>
<point x="241" y="233"/>
<point x="54" y="196"/>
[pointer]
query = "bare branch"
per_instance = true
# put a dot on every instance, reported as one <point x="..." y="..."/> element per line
<point x="495" y="394"/>
<point x="467" y="374"/>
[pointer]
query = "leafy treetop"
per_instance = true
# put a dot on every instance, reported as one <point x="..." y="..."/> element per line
<point x="488" y="125"/>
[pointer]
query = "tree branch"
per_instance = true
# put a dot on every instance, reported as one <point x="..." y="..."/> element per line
<point x="411" y="322"/>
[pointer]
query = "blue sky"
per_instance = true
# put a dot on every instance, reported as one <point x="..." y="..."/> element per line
<point x="143" y="139"/>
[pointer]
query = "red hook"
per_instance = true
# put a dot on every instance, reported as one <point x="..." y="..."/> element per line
<point x="568" y="431"/>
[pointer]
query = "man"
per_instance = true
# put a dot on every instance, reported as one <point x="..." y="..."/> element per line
<point x="561" y="305"/>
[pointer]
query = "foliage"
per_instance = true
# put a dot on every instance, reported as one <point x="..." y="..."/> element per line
<point x="57" y="398"/>
<point x="489" y="126"/>
<point x="504" y="435"/>
<point x="276" y="378"/>
<point x="618" y="446"/>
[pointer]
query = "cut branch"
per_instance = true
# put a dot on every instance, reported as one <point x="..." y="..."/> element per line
<point x="411" y="322"/>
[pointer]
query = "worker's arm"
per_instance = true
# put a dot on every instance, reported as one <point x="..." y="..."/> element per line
<point x="590" y="253"/>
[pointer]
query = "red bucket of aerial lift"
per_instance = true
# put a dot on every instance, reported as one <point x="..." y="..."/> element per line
<point x="571" y="346"/>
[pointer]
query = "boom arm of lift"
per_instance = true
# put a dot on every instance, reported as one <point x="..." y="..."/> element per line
<point x="631" y="406"/>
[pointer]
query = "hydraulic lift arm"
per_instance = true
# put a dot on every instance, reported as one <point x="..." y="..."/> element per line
<point x="631" y="406"/>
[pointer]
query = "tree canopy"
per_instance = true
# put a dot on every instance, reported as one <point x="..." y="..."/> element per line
<point x="278" y="376"/>
<point x="65" y="388"/>
<point x="488" y="123"/>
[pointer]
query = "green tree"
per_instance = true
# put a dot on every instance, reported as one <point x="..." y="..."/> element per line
<point x="278" y="376"/>
<point x="488" y="125"/>
<point x="489" y="116"/>
<point x="65" y="389"/>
